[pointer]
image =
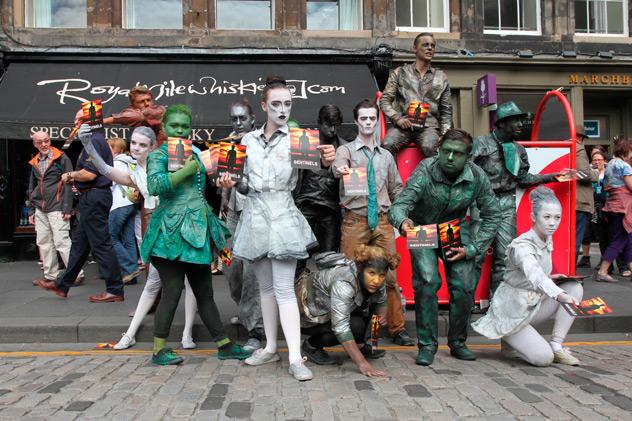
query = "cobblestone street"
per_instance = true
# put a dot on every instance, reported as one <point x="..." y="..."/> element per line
<point x="66" y="385"/>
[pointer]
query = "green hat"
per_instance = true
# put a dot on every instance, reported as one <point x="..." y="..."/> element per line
<point x="507" y="110"/>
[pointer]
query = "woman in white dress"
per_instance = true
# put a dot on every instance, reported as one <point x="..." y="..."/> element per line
<point x="529" y="295"/>
<point x="272" y="233"/>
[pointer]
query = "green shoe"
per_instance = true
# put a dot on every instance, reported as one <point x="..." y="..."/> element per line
<point x="233" y="352"/>
<point x="166" y="356"/>
<point x="425" y="356"/>
<point x="463" y="353"/>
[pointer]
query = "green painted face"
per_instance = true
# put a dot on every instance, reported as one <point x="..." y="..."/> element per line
<point x="452" y="157"/>
<point x="177" y="125"/>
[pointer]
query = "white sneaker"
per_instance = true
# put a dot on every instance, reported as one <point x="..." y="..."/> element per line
<point x="125" y="342"/>
<point x="261" y="356"/>
<point x="252" y="344"/>
<point x="187" y="343"/>
<point x="234" y="320"/>
<point x="300" y="371"/>
<point x="564" y="356"/>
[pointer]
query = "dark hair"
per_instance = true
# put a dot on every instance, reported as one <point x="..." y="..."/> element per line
<point x="273" y="82"/>
<point x="177" y="109"/>
<point x="423" y="34"/>
<point x="330" y="113"/>
<point x="243" y="102"/>
<point x="459" y="135"/>
<point x="365" y="103"/>
<point x="622" y="147"/>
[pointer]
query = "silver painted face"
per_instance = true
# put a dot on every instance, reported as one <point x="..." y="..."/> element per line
<point x="241" y="120"/>
<point x="278" y="106"/>
<point x="139" y="146"/>
<point x="367" y="121"/>
<point x="548" y="219"/>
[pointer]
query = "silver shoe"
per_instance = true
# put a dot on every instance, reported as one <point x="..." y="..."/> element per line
<point x="507" y="351"/>
<point x="187" y="343"/>
<point x="252" y="344"/>
<point x="125" y="342"/>
<point x="261" y="356"/>
<point x="564" y="356"/>
<point x="300" y="371"/>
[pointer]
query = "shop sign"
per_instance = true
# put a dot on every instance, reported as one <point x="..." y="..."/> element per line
<point x="610" y="79"/>
<point x="486" y="90"/>
<point x="591" y="128"/>
<point x="62" y="132"/>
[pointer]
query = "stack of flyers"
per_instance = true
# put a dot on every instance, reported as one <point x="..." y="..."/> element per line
<point x="92" y="115"/>
<point x="210" y="159"/>
<point x="591" y="307"/>
<point x="304" y="148"/>
<point x="422" y="237"/>
<point x="450" y="236"/>
<point x="178" y="150"/>
<point x="375" y="331"/>
<point x="355" y="183"/>
<point x="232" y="158"/>
<point x="569" y="174"/>
<point x="417" y="113"/>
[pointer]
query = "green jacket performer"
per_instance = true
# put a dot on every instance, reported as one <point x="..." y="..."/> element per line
<point x="506" y="164"/>
<point x="441" y="189"/>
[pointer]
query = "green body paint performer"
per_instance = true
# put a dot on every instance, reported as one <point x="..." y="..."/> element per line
<point x="441" y="189"/>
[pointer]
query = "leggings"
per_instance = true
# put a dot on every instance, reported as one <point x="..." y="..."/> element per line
<point x="276" y="278"/>
<point x="531" y="346"/>
<point x="322" y="335"/>
<point x="172" y="273"/>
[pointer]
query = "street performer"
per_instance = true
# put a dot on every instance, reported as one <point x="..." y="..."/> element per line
<point x="439" y="190"/>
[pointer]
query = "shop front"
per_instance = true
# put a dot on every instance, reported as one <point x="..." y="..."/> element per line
<point x="45" y="95"/>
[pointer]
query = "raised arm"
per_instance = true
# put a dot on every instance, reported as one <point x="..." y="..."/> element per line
<point x="115" y="174"/>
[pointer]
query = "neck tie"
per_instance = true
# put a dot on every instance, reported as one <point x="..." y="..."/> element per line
<point x="372" y="213"/>
<point x="512" y="160"/>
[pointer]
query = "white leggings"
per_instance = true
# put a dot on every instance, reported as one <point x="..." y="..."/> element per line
<point x="276" y="278"/>
<point x="531" y="346"/>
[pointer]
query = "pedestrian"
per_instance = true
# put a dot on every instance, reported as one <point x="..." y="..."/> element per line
<point x="507" y="165"/>
<point x="529" y="294"/>
<point x="123" y="214"/>
<point x="317" y="193"/>
<point x="92" y="233"/>
<point x="272" y="233"/>
<point x="180" y="241"/>
<point x="422" y="83"/>
<point x="584" y="199"/>
<point x="365" y="217"/>
<point x="50" y="206"/>
<point x="442" y="189"/>
<point x="337" y="303"/>
<point x="244" y="289"/>
<point x="134" y="175"/>
<point x="597" y="229"/>
<point x="618" y="208"/>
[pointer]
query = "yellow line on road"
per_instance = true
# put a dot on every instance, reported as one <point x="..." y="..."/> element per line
<point x="101" y="352"/>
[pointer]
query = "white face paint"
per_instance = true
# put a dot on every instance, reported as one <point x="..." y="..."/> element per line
<point x="548" y="219"/>
<point x="139" y="146"/>
<point x="278" y="106"/>
<point x="367" y="120"/>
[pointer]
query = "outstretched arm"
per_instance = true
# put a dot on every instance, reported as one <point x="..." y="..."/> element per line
<point x="115" y="174"/>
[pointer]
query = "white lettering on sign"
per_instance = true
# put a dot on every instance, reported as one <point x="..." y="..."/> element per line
<point x="81" y="90"/>
<point x="62" y="132"/>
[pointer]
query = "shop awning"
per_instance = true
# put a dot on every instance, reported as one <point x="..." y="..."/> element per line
<point x="46" y="95"/>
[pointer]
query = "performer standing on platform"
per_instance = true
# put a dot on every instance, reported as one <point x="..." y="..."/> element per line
<point x="506" y="164"/>
<point x="442" y="189"/>
<point x="421" y="82"/>
<point x="365" y="221"/>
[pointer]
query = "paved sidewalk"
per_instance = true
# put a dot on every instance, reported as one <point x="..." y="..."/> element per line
<point x="124" y="386"/>
<point x="31" y="315"/>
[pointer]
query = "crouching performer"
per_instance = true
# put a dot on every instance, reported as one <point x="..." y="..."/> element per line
<point x="529" y="295"/>
<point x="336" y="304"/>
<point x="439" y="190"/>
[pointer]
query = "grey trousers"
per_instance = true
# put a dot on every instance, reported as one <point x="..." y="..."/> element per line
<point x="426" y="139"/>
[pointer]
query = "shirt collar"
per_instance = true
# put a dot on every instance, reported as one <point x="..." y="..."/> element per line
<point x="41" y="157"/>
<point x="538" y="242"/>
<point x="429" y="69"/>
<point x="359" y="144"/>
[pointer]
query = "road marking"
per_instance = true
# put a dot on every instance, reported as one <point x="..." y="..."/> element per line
<point x="132" y="352"/>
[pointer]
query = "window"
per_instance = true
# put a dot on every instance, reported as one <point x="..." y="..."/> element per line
<point x="244" y="14"/>
<point x="507" y="16"/>
<point x="601" y="17"/>
<point x="56" y="13"/>
<point x="333" y="14"/>
<point x="422" y="15"/>
<point x="152" y="14"/>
